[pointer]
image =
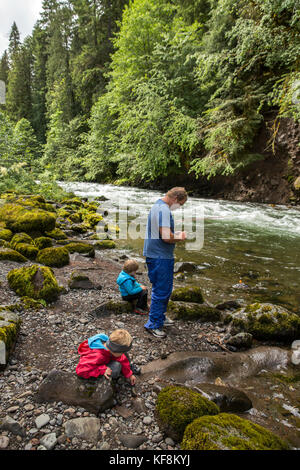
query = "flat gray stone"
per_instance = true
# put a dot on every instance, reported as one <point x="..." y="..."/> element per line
<point x="83" y="428"/>
<point x="42" y="420"/>
<point x="49" y="441"/>
<point x="132" y="441"/>
<point x="9" y="424"/>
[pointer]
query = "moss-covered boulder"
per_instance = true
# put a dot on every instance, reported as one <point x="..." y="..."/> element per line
<point x="8" y="254"/>
<point x="229" y="432"/>
<point x="80" y="281"/>
<point x="5" y="234"/>
<point x="20" y="238"/>
<point x="9" y="329"/>
<point x="36" y="282"/>
<point x="266" y="321"/>
<point x="177" y="406"/>
<point x="82" y="248"/>
<point x="75" y="218"/>
<point x="57" y="234"/>
<point x="92" y="219"/>
<point x="105" y="245"/>
<point x="188" y="294"/>
<point x="54" y="257"/>
<point x="27" y="250"/>
<point x="43" y="242"/>
<point x="75" y="201"/>
<point x="19" y="218"/>
<point x="193" y="311"/>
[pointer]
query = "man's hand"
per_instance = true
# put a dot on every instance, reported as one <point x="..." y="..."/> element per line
<point x="180" y="235"/>
<point x="107" y="373"/>
<point x="144" y="287"/>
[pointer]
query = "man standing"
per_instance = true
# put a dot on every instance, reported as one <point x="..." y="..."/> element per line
<point x="159" y="247"/>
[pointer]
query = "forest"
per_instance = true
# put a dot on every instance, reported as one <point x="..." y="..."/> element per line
<point x="126" y="92"/>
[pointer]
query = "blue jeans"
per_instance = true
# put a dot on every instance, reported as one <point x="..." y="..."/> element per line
<point x="160" y="272"/>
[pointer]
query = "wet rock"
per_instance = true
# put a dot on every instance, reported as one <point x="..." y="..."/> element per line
<point x="185" y="266"/>
<point x="83" y="428"/>
<point x="92" y="395"/>
<point x="193" y="311"/>
<point x="228" y="399"/>
<point x="132" y="441"/>
<point x="241" y="341"/>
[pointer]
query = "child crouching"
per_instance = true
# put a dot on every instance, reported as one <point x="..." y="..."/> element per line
<point x="131" y="290"/>
<point x="103" y="355"/>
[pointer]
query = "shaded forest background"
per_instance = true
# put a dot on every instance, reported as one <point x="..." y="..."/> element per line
<point x="138" y="92"/>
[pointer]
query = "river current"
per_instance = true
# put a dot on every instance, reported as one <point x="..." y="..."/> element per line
<point x="246" y="251"/>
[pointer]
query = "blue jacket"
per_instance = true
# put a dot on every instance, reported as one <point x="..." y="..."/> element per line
<point x="128" y="285"/>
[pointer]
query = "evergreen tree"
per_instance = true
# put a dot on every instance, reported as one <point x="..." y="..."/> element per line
<point x="14" y="41"/>
<point x="4" y="67"/>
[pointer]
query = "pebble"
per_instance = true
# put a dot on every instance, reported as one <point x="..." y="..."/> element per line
<point x="147" y="420"/>
<point x="4" y="441"/>
<point x="49" y="441"/>
<point x="42" y="420"/>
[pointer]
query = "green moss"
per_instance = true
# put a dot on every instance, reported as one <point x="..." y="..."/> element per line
<point x="54" y="257"/>
<point x="7" y="254"/>
<point x="75" y="218"/>
<point x="92" y="219"/>
<point x="20" y="238"/>
<point x="27" y="250"/>
<point x="188" y="294"/>
<point x="57" y="234"/>
<point x="36" y="282"/>
<point x="43" y="242"/>
<point x="267" y="322"/>
<point x="229" y="432"/>
<point x="9" y="328"/>
<point x="81" y="247"/>
<point x="177" y="406"/>
<point x="289" y="379"/>
<point x="193" y="311"/>
<point x="20" y="219"/>
<point x="105" y="245"/>
<point x="75" y="201"/>
<point x="5" y="234"/>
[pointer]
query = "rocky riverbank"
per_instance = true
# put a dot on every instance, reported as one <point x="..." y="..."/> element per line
<point x="87" y="303"/>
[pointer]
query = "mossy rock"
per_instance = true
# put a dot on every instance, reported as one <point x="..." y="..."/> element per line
<point x="9" y="329"/>
<point x="57" y="234"/>
<point x="54" y="257"/>
<point x="105" y="245"/>
<point x="81" y="247"/>
<point x="178" y="406"/>
<point x="36" y="282"/>
<point x="92" y="219"/>
<point x="63" y="213"/>
<point x="75" y="218"/>
<point x="5" y="234"/>
<point x="91" y="206"/>
<point x="8" y="254"/>
<point x="43" y="242"/>
<point x="188" y="294"/>
<point x="229" y="432"/>
<point x="193" y="311"/>
<point x="80" y="228"/>
<point x="75" y="201"/>
<point x="30" y="304"/>
<point x="27" y="250"/>
<point x="266" y="322"/>
<point x="20" y="238"/>
<point x="21" y="219"/>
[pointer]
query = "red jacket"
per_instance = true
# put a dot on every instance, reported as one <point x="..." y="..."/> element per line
<point x="92" y="362"/>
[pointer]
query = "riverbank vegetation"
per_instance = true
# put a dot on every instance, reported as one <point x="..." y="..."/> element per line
<point x="132" y="91"/>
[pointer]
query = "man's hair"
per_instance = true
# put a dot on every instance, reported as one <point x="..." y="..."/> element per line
<point x="130" y="266"/>
<point x="179" y="193"/>
<point x="121" y="337"/>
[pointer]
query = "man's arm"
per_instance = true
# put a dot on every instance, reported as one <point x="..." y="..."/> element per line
<point x="169" y="237"/>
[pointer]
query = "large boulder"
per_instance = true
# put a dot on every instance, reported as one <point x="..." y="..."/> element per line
<point x="193" y="311"/>
<point x="54" y="257"/>
<point x="82" y="248"/>
<point x="229" y="432"/>
<point x="177" y="406"/>
<point x="19" y="218"/>
<point x="93" y="395"/>
<point x="9" y="328"/>
<point x="7" y="254"/>
<point x="36" y="282"/>
<point x="188" y="294"/>
<point x="265" y="322"/>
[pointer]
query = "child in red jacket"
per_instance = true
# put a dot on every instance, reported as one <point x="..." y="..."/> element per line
<point x="103" y="355"/>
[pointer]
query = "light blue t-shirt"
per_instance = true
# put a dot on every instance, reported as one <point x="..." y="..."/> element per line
<point x="159" y="216"/>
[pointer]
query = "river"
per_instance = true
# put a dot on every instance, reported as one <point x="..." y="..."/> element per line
<point x="257" y="244"/>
